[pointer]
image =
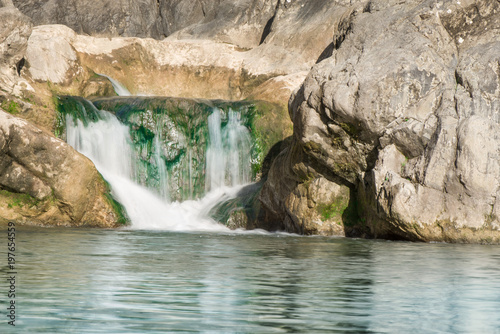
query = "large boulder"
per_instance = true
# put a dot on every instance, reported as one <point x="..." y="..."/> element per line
<point x="406" y="114"/>
<point x="50" y="54"/>
<point x="45" y="181"/>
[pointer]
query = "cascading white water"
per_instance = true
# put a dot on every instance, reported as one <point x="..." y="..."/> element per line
<point x="120" y="89"/>
<point x="238" y="150"/>
<point x="228" y="156"/>
<point x="107" y="143"/>
<point x="162" y="169"/>
<point x="214" y="177"/>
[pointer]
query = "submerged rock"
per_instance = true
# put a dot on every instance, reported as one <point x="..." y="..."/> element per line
<point x="405" y="113"/>
<point x="45" y="181"/>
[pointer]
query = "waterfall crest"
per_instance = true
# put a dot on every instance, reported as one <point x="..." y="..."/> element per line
<point x="120" y="89"/>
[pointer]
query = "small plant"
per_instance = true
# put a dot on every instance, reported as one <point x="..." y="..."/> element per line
<point x="334" y="209"/>
<point x="350" y="129"/>
<point x="12" y="107"/>
<point x="403" y="165"/>
<point x="19" y="200"/>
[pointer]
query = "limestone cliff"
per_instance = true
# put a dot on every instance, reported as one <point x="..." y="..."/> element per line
<point x="404" y="117"/>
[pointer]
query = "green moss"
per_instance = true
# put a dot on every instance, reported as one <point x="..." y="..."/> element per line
<point x="19" y="200"/>
<point x="337" y="142"/>
<point x="77" y="107"/>
<point x="117" y="207"/>
<point x="403" y="165"/>
<point x="331" y="210"/>
<point x="11" y="107"/>
<point x="182" y="127"/>
<point x="269" y="124"/>
<point x="350" y="129"/>
<point x="250" y="81"/>
<point x="306" y="178"/>
<point x="313" y="147"/>
<point x="490" y="218"/>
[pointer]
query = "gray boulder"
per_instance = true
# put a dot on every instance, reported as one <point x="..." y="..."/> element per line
<point x="405" y="113"/>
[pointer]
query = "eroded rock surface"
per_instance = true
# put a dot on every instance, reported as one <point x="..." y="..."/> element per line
<point x="406" y="114"/>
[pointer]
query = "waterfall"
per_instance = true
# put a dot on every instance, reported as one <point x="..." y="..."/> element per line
<point x="238" y="151"/>
<point x="215" y="153"/>
<point x="162" y="169"/>
<point x="120" y="89"/>
<point x="228" y="156"/>
<point x="108" y="143"/>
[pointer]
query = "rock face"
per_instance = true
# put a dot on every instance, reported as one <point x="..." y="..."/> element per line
<point x="405" y="114"/>
<point x="105" y="17"/>
<point x="15" y="28"/>
<point x="240" y="22"/>
<point x="45" y="181"/>
<point x="154" y="18"/>
<point x="180" y="68"/>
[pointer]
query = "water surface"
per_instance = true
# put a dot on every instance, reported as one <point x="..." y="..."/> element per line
<point x="119" y="281"/>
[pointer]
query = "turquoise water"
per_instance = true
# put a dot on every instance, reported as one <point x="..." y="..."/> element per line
<point x="109" y="281"/>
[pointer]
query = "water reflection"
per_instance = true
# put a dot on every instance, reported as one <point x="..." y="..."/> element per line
<point x="94" y="281"/>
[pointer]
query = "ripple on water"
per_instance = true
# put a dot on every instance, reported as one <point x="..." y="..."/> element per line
<point x="105" y="281"/>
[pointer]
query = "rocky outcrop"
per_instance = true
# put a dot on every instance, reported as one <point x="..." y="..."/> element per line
<point x="45" y="181"/>
<point x="405" y="114"/>
<point x="241" y="22"/>
<point x="243" y="49"/>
